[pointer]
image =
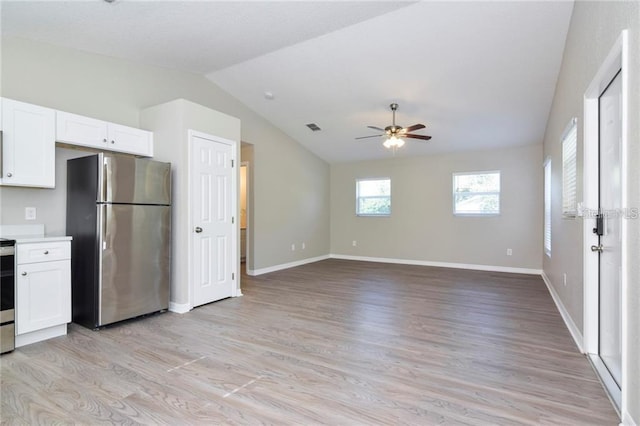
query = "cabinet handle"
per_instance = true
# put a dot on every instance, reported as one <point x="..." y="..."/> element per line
<point x="104" y="140"/>
<point x="46" y="252"/>
<point x="24" y="274"/>
<point x="113" y="141"/>
<point x="9" y="174"/>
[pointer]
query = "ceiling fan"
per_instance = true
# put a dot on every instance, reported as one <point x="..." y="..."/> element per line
<point x="394" y="134"/>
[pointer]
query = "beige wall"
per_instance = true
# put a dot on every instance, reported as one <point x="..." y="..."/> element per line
<point x="595" y="26"/>
<point x="291" y="184"/>
<point x="171" y="123"/>
<point x="422" y="225"/>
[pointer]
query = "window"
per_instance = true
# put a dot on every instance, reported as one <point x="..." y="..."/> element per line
<point x="569" y="187"/>
<point x="547" y="207"/>
<point x="373" y="197"/>
<point x="476" y="193"/>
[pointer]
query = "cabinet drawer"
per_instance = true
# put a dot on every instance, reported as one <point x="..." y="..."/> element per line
<point x="43" y="252"/>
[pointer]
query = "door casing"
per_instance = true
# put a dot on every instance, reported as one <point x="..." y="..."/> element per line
<point x="234" y="258"/>
<point x="616" y="61"/>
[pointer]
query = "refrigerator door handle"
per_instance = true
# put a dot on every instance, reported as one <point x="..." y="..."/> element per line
<point x="103" y="178"/>
<point x="102" y="228"/>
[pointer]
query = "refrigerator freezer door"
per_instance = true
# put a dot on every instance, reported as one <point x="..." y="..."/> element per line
<point x="136" y="258"/>
<point x="131" y="180"/>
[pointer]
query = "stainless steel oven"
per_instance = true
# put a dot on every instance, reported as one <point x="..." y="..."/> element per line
<point x="7" y="295"/>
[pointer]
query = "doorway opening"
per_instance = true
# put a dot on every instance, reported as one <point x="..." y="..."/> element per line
<point x="246" y="207"/>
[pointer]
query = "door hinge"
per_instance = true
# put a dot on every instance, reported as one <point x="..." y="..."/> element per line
<point x="233" y="220"/>
<point x="232" y="163"/>
<point x="233" y="276"/>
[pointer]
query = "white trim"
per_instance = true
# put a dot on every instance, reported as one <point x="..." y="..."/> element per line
<point x="616" y="60"/>
<point x="254" y="272"/>
<point x="179" y="308"/>
<point x="606" y="380"/>
<point x="627" y="420"/>
<point x="40" y="335"/>
<point x="439" y="264"/>
<point x="573" y="328"/>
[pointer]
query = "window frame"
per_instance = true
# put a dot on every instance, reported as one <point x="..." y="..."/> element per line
<point x="546" y="235"/>
<point x="498" y="193"/>
<point x="358" y="197"/>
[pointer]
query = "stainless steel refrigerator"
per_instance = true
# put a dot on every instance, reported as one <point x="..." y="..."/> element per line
<point x="119" y="215"/>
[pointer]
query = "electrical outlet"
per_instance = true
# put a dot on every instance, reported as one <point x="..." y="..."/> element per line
<point x="354" y="243"/>
<point x="564" y="278"/>
<point x="509" y="252"/>
<point x="30" y="213"/>
<point x="303" y="246"/>
<point x="293" y="247"/>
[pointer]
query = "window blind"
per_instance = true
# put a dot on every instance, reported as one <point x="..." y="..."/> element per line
<point x="569" y="167"/>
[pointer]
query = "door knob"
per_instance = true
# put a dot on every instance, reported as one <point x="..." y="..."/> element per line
<point x="198" y="229"/>
<point x="597" y="248"/>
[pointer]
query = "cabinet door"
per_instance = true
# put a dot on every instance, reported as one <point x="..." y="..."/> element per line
<point x="43" y="295"/>
<point x="78" y="130"/>
<point x="130" y="140"/>
<point x="28" y="145"/>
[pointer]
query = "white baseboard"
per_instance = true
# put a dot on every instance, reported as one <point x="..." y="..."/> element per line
<point x="40" y="335"/>
<point x="573" y="329"/>
<point x="254" y="272"/>
<point x="440" y="264"/>
<point x="627" y="420"/>
<point x="179" y="308"/>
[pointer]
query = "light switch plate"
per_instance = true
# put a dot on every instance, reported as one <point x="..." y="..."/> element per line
<point x="30" y="213"/>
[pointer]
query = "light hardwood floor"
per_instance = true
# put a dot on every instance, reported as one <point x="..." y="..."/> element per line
<point x="334" y="342"/>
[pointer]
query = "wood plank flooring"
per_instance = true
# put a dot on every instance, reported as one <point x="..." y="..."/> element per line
<point x="334" y="342"/>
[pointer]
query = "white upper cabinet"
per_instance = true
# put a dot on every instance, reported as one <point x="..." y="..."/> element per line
<point x="84" y="131"/>
<point x="28" y="145"/>
<point x="78" y="130"/>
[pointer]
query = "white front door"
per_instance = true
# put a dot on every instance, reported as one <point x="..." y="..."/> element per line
<point x="212" y="210"/>
<point x="610" y="242"/>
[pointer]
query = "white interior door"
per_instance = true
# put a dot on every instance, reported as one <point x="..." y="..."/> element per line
<point x="610" y="255"/>
<point x="212" y="219"/>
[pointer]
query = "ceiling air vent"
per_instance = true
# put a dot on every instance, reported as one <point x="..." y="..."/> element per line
<point x="314" y="127"/>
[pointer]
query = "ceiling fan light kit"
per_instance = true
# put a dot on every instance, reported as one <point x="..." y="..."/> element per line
<point x="393" y="142"/>
<point x="394" y="134"/>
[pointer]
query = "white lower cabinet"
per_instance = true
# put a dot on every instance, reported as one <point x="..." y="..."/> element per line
<point x="43" y="290"/>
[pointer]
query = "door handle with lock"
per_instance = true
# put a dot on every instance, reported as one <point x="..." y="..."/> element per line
<point x="599" y="229"/>
<point x="597" y="248"/>
<point x="198" y="230"/>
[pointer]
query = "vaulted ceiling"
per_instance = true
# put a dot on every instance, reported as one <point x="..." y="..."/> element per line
<point x="479" y="75"/>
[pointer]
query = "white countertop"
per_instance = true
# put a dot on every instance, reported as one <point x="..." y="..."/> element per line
<point x="22" y="239"/>
<point x="30" y="234"/>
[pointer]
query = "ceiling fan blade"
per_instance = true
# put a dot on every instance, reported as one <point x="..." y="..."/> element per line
<point x="376" y="128"/>
<point x="414" y="127"/>
<point x="425" y="138"/>
<point x="372" y="136"/>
